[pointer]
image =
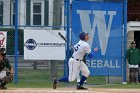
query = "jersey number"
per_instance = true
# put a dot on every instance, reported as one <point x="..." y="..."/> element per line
<point x="77" y="47"/>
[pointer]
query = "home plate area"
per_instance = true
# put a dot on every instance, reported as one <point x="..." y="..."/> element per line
<point x="68" y="90"/>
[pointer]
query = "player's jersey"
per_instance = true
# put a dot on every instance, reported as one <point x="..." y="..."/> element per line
<point x="80" y="49"/>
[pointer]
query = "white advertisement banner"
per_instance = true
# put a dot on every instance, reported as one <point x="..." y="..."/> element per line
<point x="44" y="45"/>
<point x="3" y="39"/>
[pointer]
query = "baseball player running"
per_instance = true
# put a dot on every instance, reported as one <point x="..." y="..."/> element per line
<point x="76" y="62"/>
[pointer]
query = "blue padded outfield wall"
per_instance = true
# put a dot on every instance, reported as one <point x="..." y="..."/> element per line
<point x="103" y="21"/>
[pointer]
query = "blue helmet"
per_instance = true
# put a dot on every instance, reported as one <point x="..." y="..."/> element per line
<point x="82" y="35"/>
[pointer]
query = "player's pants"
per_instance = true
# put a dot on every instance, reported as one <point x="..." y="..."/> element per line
<point x="76" y="66"/>
<point x="6" y="79"/>
<point x="139" y="74"/>
<point x="2" y="83"/>
<point x="133" y="75"/>
<point x="79" y="76"/>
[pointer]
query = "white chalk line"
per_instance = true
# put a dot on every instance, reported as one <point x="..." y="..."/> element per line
<point x="49" y="91"/>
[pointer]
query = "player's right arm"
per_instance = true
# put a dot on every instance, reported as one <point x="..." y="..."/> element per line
<point x="128" y="54"/>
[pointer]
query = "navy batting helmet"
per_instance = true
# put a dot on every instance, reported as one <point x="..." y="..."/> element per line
<point x="82" y="35"/>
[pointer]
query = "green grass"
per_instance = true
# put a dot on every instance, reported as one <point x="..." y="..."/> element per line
<point x="33" y="79"/>
<point x="97" y="80"/>
<point x="119" y="86"/>
<point x="42" y="79"/>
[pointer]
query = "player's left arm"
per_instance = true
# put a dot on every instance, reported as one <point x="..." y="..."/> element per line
<point x="89" y="52"/>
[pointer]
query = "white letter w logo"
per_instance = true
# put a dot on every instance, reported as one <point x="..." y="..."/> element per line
<point x="100" y="23"/>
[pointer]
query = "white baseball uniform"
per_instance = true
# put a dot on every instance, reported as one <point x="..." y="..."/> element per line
<point x="76" y="63"/>
<point x="78" y="78"/>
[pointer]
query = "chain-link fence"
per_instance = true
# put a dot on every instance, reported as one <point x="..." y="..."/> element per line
<point x="96" y="18"/>
<point x="32" y="15"/>
<point x="41" y="15"/>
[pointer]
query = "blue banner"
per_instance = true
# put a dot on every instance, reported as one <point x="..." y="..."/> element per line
<point x="103" y="21"/>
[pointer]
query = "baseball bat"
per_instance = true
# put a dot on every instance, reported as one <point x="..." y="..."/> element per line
<point x="64" y="39"/>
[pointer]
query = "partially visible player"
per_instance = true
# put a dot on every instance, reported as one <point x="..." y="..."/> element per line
<point x="76" y="62"/>
<point x="6" y="70"/>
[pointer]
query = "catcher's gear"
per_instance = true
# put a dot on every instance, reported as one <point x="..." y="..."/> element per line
<point x="2" y="65"/>
<point x="8" y="78"/>
<point x="3" y="83"/>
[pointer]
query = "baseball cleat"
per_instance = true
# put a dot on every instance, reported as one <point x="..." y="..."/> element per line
<point x="55" y="83"/>
<point x="81" y="88"/>
<point x="3" y="88"/>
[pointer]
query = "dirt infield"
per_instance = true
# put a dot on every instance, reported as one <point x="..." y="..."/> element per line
<point x="69" y="90"/>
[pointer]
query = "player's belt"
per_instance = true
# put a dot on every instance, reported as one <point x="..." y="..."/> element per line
<point x="77" y="59"/>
